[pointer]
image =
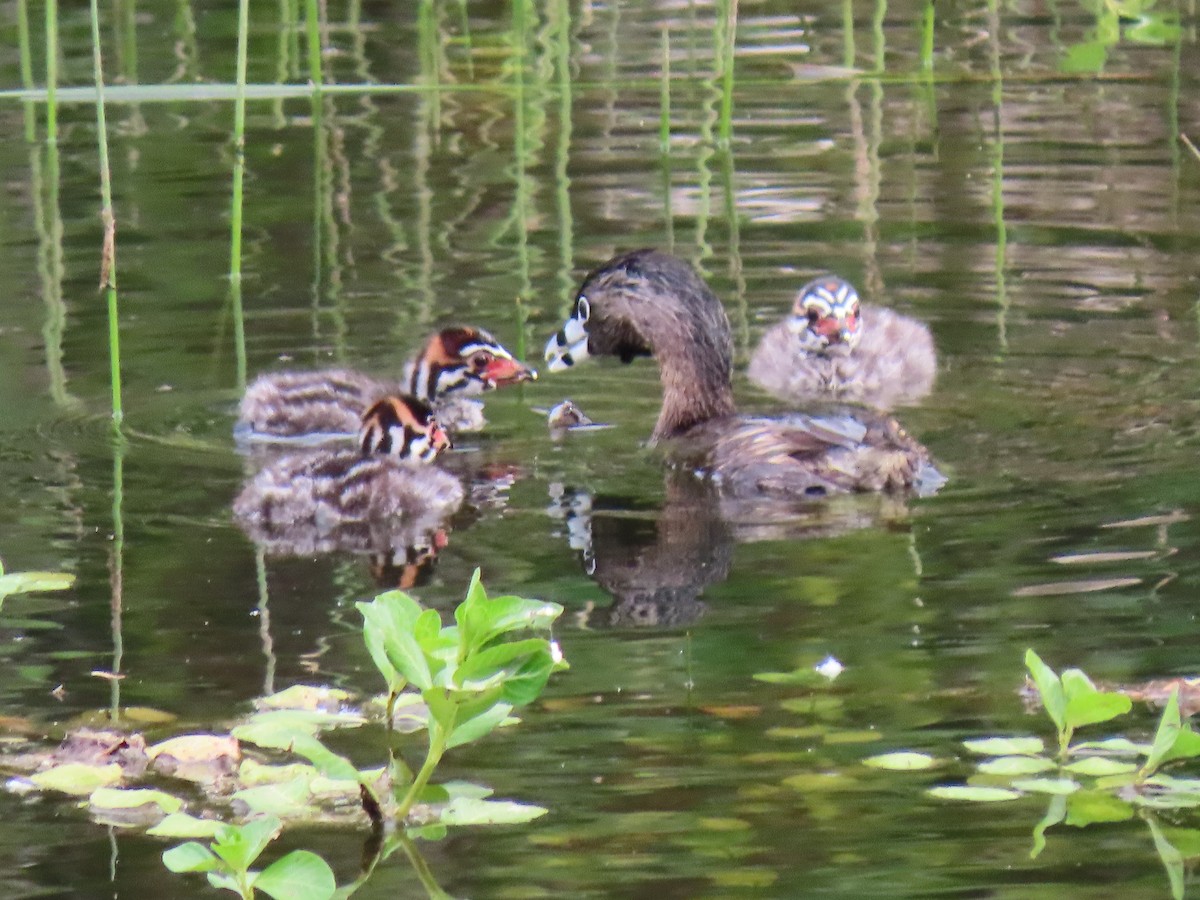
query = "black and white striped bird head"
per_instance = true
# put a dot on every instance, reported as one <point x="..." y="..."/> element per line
<point x="463" y="360"/>
<point x="825" y="313"/>
<point x="403" y="427"/>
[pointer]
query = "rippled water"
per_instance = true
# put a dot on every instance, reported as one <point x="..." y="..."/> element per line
<point x="1043" y="223"/>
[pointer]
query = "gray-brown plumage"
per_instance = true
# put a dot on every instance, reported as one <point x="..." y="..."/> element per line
<point x="452" y="365"/>
<point x="380" y="498"/>
<point x="648" y="303"/>
<point x="850" y="353"/>
<point x="309" y="503"/>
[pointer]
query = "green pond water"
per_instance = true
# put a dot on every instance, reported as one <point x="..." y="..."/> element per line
<point x="1043" y="221"/>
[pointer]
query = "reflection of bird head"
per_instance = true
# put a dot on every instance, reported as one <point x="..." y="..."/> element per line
<point x="655" y="566"/>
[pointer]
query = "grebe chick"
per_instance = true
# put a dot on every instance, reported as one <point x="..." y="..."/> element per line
<point x="648" y="303"/>
<point x="831" y="347"/>
<point x="363" y="497"/>
<point x="327" y="404"/>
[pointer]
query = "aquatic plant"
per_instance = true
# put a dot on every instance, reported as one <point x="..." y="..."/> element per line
<point x="300" y="875"/>
<point x="29" y="582"/>
<point x="468" y="675"/>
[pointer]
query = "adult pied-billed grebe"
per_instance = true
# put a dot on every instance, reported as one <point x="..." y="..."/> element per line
<point x="833" y="348"/>
<point x="367" y="499"/>
<point x="453" y="364"/>
<point x="648" y="303"/>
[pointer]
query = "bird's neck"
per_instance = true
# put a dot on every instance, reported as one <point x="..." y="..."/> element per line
<point x="696" y="386"/>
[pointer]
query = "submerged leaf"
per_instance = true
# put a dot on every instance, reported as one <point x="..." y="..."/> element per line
<point x="972" y="793"/>
<point x="1006" y="746"/>
<point x="470" y="811"/>
<point x="1016" y="765"/>
<point x="1057" y="786"/>
<point x="182" y="825"/>
<point x="77" y="778"/>
<point x="901" y="761"/>
<point x="132" y="798"/>
<point x="1098" y="766"/>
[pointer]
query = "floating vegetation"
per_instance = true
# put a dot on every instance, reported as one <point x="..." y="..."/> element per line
<point x="456" y="683"/>
<point x="1088" y="782"/>
<point x="32" y="582"/>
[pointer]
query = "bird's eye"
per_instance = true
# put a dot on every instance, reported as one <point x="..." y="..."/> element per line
<point x="583" y="309"/>
<point x="480" y="361"/>
<point x="814" y="316"/>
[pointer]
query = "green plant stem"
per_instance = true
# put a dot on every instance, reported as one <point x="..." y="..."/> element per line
<point x="235" y="216"/>
<point x="437" y="747"/>
<point x="312" y="24"/>
<point x="725" y="128"/>
<point x="23" y="43"/>
<point x="108" y="260"/>
<point x="52" y="70"/>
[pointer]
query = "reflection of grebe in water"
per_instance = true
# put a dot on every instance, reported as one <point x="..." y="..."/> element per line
<point x="656" y="565"/>
<point x="382" y="499"/>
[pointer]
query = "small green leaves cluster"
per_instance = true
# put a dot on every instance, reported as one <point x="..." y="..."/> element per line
<point x="468" y="674"/>
<point x="1014" y="766"/>
<point x="300" y="875"/>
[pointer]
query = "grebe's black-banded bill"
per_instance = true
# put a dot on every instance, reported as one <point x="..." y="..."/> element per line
<point x="570" y="345"/>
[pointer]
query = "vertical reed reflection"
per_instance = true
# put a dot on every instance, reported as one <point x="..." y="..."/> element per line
<point x="1002" y="300"/>
<point x="560" y="13"/>
<point x="664" y="136"/>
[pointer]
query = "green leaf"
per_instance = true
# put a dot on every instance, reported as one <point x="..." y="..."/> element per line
<point x="1055" y="812"/>
<point x="1049" y="687"/>
<point x="301" y="875"/>
<point x="1088" y="56"/>
<point x="1173" y="739"/>
<point x="1057" y="786"/>
<point x="131" y="798"/>
<point x="28" y="582"/>
<point x="1172" y="859"/>
<point x="1004" y="746"/>
<point x="484" y="669"/>
<point x="468" y="811"/>
<point x="1088" y="706"/>
<point x="388" y="622"/>
<point x="1091" y="807"/>
<point x="527" y="683"/>
<point x="1016" y="765"/>
<point x="972" y="793"/>
<point x="181" y="825"/>
<point x="190" y="857"/>
<point x="1117" y="746"/>
<point x="282" y="735"/>
<point x="285" y="799"/>
<point x="77" y="778"/>
<point x="1153" y="29"/>
<point x="475" y="727"/>
<point x="240" y="845"/>
<point x="1097" y="766"/>
<point x="901" y="761"/>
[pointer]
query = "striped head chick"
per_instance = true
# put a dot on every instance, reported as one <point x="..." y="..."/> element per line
<point x="826" y="314"/>
<point x="403" y="427"/>
<point x="460" y="361"/>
